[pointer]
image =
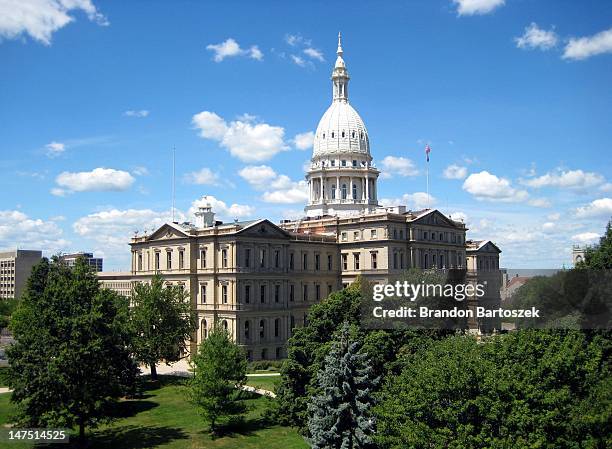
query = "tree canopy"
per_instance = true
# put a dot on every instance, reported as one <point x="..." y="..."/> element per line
<point x="71" y="359"/>
<point x="162" y="323"/>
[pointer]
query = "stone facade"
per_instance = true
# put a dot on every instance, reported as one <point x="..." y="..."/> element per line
<point x="15" y="269"/>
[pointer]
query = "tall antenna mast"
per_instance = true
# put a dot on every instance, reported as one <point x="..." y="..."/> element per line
<point x="173" y="180"/>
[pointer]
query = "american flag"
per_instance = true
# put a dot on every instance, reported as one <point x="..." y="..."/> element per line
<point x="427" y="151"/>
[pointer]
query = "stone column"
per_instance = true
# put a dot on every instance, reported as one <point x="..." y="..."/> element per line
<point x="367" y="189"/>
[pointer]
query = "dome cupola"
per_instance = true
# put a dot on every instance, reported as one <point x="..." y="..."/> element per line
<point x="341" y="178"/>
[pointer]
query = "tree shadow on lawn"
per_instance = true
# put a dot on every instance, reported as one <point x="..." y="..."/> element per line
<point x="134" y="437"/>
<point x="146" y="384"/>
<point x="131" y="407"/>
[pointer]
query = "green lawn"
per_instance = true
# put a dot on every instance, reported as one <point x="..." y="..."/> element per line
<point x="164" y="419"/>
<point x="263" y="382"/>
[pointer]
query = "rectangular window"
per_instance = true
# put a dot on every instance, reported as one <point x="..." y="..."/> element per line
<point x="395" y="260"/>
<point x="291" y="292"/>
<point x="330" y="264"/>
<point x="373" y="235"/>
<point x="203" y="258"/>
<point x="305" y="261"/>
<point x="277" y="258"/>
<point x="318" y="292"/>
<point x="356" y="261"/>
<point x="224" y="258"/>
<point x="203" y="293"/>
<point x="262" y="258"/>
<point x="356" y="235"/>
<point x="262" y="294"/>
<point x="329" y="289"/>
<point x="401" y="234"/>
<point x="224" y="294"/>
<point x="276" y="327"/>
<point x="139" y="262"/>
<point x="181" y="259"/>
<point x="247" y="258"/>
<point x="374" y="261"/>
<point x="317" y="262"/>
<point x="247" y="294"/>
<point x="344" y="236"/>
<point x="276" y="293"/>
<point x="291" y="262"/>
<point x="168" y="260"/>
<point x="305" y="292"/>
<point x="157" y="261"/>
<point x="402" y="260"/>
<point x="344" y="262"/>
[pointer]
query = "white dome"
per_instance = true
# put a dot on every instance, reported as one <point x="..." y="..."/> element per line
<point x="341" y="130"/>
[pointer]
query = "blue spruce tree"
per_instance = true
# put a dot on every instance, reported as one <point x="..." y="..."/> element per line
<point x="339" y="416"/>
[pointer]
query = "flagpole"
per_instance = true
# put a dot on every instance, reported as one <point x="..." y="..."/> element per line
<point x="427" y="176"/>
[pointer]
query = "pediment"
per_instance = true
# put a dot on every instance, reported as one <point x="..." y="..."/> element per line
<point x="167" y="232"/>
<point x="489" y="247"/>
<point x="263" y="228"/>
<point x="435" y="218"/>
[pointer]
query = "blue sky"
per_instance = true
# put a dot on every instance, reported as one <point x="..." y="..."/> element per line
<point x="514" y="97"/>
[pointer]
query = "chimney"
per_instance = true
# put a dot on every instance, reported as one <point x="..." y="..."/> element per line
<point x="205" y="217"/>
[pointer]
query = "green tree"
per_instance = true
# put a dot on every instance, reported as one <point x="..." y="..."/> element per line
<point x="71" y="360"/>
<point x="528" y="389"/>
<point x="219" y="371"/>
<point x="340" y="414"/>
<point x="599" y="257"/>
<point x="306" y="352"/>
<point x="162" y="323"/>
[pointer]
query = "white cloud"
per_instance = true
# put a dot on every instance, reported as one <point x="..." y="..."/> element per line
<point x="41" y="18"/>
<point x="549" y="226"/>
<point x="134" y="113"/>
<point x="535" y="37"/>
<point x="574" y="179"/>
<point x="607" y="187"/>
<point x="554" y="216"/>
<point x="459" y="216"/>
<point x="304" y="141"/>
<point x="204" y="176"/>
<point x="585" y="47"/>
<point x="230" y="48"/>
<point x="19" y="230"/>
<point x="221" y="208"/>
<point x="140" y="171"/>
<point x="486" y="186"/>
<point x="279" y="189"/>
<point x="259" y="176"/>
<point x="99" y="179"/>
<point x="454" y="171"/>
<point x="296" y="39"/>
<point x="597" y="208"/>
<point x="401" y="166"/>
<point x="414" y="201"/>
<point x="298" y="60"/>
<point x="539" y="202"/>
<point x="54" y="149"/>
<point x="246" y="140"/>
<point x="586" y="237"/>
<point x="472" y="7"/>
<point x="314" y="54"/>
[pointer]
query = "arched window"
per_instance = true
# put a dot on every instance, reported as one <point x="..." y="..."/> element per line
<point x="247" y="330"/>
<point x="342" y="133"/>
<point x="354" y="191"/>
<point x="344" y="193"/>
<point x="204" y="330"/>
<point x="333" y="134"/>
<point x="361" y="135"/>
<point x="333" y="191"/>
<point x="262" y="328"/>
<point x="353" y="134"/>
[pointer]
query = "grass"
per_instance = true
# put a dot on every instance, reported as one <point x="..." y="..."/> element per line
<point x="163" y="418"/>
<point x="263" y="382"/>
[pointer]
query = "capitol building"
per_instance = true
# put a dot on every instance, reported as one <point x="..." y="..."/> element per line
<point x="258" y="279"/>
